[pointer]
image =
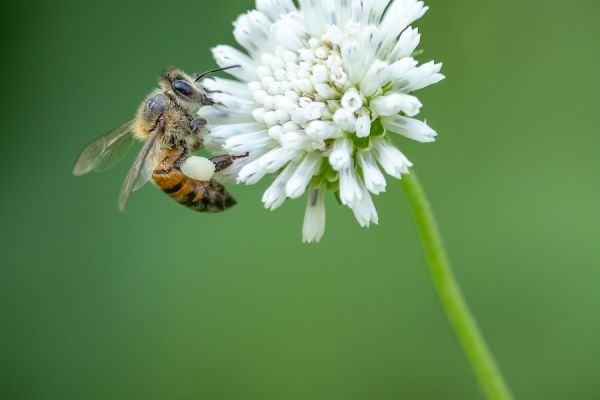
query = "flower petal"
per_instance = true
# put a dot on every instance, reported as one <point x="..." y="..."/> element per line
<point x="377" y="75"/>
<point x="289" y="32"/>
<point x="364" y="210"/>
<point x="391" y="159"/>
<point x="227" y="86"/>
<point x="273" y="9"/>
<point x="374" y="179"/>
<point x="349" y="187"/>
<point x="251" y="30"/>
<point x="352" y="100"/>
<point x="224" y="132"/>
<point x="323" y="130"/>
<point x="367" y="12"/>
<point x="393" y="103"/>
<point x="223" y="116"/>
<point x="314" y="217"/>
<point x="363" y="126"/>
<point x="275" y="159"/>
<point x="410" y="127"/>
<point x="407" y="43"/>
<point x="248" y="143"/>
<point x="275" y="195"/>
<point x="296" y="185"/>
<point x="398" y="16"/>
<point x="251" y="173"/>
<point x="233" y="102"/>
<point x="419" y="77"/>
<point x="353" y="60"/>
<point x="315" y="15"/>
<point x="341" y="154"/>
<point x="226" y="56"/>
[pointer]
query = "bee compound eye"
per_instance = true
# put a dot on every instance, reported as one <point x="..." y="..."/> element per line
<point x="183" y="88"/>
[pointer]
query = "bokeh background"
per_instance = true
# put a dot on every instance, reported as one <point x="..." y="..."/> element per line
<point x="161" y="303"/>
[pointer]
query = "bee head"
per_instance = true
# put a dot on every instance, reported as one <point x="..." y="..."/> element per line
<point x="182" y="86"/>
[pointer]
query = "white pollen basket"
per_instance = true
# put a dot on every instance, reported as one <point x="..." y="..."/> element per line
<point x="323" y="91"/>
<point x="198" y="168"/>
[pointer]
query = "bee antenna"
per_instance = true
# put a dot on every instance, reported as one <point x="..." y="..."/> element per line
<point x="212" y="71"/>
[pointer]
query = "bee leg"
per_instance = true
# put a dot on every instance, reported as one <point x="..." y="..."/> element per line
<point x="225" y="161"/>
<point x="206" y="101"/>
<point x="199" y="143"/>
<point x="197" y="124"/>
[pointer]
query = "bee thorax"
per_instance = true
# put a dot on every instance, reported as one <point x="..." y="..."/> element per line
<point x="150" y="113"/>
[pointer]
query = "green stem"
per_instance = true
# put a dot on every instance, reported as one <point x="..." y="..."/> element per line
<point x="465" y="327"/>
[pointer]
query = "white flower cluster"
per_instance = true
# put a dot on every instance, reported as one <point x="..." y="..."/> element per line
<point x="318" y="90"/>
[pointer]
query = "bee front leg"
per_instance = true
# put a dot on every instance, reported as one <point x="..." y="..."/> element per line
<point x="225" y="161"/>
<point x="197" y="124"/>
<point x="206" y="101"/>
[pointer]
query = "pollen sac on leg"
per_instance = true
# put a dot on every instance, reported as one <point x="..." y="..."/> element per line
<point x="198" y="168"/>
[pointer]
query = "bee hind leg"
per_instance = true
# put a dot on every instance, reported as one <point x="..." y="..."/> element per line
<point x="225" y="161"/>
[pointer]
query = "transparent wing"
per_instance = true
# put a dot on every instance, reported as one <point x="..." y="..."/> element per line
<point x="104" y="152"/>
<point x="135" y="178"/>
<point x="148" y="167"/>
<point x="117" y="151"/>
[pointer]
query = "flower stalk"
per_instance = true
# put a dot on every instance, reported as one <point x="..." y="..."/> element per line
<point x="465" y="327"/>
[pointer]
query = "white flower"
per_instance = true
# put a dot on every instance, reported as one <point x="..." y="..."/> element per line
<point x="320" y="91"/>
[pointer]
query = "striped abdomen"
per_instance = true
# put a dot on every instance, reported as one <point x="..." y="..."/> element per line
<point x="200" y="196"/>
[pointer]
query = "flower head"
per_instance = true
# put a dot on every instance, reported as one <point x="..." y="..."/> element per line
<point x="321" y="89"/>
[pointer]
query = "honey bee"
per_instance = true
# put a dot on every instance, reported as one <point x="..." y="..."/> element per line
<point x="166" y="124"/>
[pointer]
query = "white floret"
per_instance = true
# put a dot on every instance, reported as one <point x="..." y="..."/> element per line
<point x="323" y="85"/>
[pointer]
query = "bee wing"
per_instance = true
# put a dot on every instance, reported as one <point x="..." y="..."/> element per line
<point x="135" y="178"/>
<point x="148" y="167"/>
<point x="104" y="152"/>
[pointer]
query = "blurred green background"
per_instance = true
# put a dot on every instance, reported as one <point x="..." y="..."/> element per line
<point x="161" y="303"/>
